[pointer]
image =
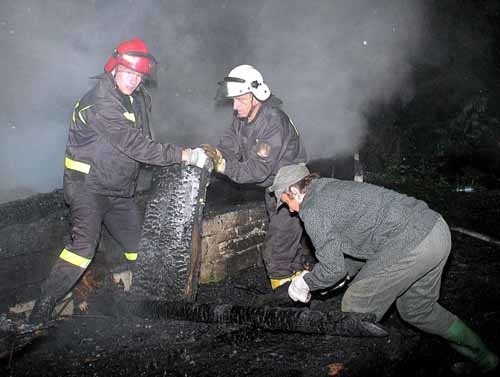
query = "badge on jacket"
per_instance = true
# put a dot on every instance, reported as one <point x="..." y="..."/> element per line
<point x="263" y="149"/>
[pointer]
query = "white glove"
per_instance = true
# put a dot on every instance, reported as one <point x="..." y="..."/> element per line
<point x="197" y="157"/>
<point x="298" y="289"/>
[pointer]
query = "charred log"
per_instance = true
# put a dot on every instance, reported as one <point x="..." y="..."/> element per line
<point x="170" y="246"/>
<point x="302" y="320"/>
<point x="15" y="335"/>
<point x="25" y="211"/>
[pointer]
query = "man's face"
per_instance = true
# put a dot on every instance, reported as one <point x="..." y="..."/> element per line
<point x="127" y="80"/>
<point x="243" y="104"/>
<point x="291" y="201"/>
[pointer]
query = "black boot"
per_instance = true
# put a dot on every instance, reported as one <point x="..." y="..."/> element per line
<point x="42" y="311"/>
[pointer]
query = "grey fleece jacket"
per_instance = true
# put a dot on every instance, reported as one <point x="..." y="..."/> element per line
<point x="361" y="220"/>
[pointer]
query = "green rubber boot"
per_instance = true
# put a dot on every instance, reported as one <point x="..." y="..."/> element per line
<point x="468" y="343"/>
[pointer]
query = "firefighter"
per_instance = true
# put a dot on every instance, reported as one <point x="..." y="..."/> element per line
<point x="109" y="137"/>
<point x="404" y="243"/>
<point x="260" y="140"/>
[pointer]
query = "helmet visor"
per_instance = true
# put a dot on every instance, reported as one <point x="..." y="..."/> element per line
<point x="141" y="62"/>
<point x="221" y="98"/>
<point x="234" y="87"/>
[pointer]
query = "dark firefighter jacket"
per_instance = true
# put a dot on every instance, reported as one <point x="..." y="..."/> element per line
<point x="255" y="151"/>
<point x="109" y="136"/>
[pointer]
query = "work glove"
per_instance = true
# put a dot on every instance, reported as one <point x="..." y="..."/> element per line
<point x="196" y="157"/>
<point x="216" y="156"/>
<point x="298" y="289"/>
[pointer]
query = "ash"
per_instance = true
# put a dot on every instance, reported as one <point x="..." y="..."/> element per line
<point x="109" y="340"/>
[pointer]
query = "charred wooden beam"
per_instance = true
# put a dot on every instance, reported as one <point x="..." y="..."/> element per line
<point x="15" y="335"/>
<point x="288" y="319"/>
<point x="170" y="246"/>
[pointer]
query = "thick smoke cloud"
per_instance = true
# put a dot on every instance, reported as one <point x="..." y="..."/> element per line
<point x="329" y="61"/>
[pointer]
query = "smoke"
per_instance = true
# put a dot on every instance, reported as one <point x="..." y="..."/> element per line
<point x="329" y="61"/>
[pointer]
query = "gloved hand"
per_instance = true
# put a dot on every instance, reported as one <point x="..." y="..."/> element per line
<point x="298" y="289"/>
<point x="216" y="156"/>
<point x="196" y="157"/>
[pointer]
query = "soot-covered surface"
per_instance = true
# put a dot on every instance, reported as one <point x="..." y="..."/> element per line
<point x="170" y="245"/>
<point x="109" y="341"/>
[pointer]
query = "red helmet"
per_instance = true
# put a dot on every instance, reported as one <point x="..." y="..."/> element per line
<point x="133" y="54"/>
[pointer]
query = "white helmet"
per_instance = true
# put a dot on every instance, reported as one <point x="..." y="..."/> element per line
<point x="245" y="79"/>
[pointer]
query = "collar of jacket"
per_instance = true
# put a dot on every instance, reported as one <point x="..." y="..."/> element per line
<point x="107" y="87"/>
<point x="316" y="185"/>
<point x="272" y="101"/>
<point x="259" y="112"/>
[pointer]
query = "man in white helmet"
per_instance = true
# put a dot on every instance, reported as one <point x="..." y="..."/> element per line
<point x="259" y="142"/>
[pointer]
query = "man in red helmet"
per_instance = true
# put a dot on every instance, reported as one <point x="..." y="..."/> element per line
<point x="109" y="137"/>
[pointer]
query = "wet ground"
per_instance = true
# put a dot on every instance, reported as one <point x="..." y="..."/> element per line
<point x="109" y="341"/>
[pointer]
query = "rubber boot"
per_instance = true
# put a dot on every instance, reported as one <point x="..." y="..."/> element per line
<point x="42" y="311"/>
<point x="468" y="343"/>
